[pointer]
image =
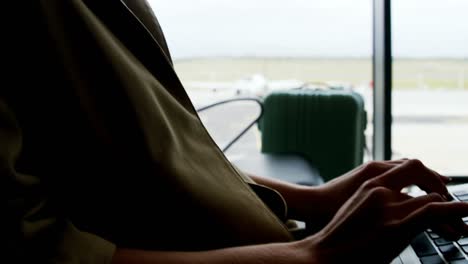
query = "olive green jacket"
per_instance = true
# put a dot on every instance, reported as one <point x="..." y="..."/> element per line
<point x="101" y="147"/>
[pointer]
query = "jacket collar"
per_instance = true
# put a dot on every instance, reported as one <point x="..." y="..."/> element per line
<point x="130" y="30"/>
<point x="142" y="12"/>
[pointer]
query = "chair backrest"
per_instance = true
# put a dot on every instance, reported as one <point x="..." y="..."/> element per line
<point x="244" y="130"/>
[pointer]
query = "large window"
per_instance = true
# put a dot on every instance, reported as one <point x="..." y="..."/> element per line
<point x="226" y="49"/>
<point x="430" y="83"/>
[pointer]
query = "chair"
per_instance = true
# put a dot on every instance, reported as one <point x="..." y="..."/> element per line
<point x="289" y="167"/>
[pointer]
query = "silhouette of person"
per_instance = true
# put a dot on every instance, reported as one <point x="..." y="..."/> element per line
<point x="103" y="159"/>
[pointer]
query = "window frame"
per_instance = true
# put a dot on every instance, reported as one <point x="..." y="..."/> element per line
<point x="382" y="79"/>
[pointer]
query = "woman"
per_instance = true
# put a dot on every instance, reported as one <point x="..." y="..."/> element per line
<point x="105" y="161"/>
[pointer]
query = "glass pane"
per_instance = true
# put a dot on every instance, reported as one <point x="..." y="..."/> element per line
<point x="229" y="49"/>
<point x="430" y="83"/>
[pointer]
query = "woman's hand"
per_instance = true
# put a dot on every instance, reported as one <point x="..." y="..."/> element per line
<point x="378" y="221"/>
<point x="326" y="199"/>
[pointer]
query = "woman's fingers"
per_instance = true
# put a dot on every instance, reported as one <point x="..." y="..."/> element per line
<point x="409" y="172"/>
<point x="398" y="161"/>
<point x="411" y="204"/>
<point x="413" y="172"/>
<point x="449" y="230"/>
<point x="437" y="213"/>
<point x="402" y="173"/>
<point x="452" y="230"/>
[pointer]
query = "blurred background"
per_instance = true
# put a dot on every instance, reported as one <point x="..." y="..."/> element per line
<point x="227" y="49"/>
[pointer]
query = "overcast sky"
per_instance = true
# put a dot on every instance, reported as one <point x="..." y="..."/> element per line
<point x="296" y="28"/>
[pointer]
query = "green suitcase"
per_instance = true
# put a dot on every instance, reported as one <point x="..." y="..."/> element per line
<point x="324" y="126"/>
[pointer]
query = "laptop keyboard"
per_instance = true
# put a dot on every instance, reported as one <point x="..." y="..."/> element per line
<point x="433" y="249"/>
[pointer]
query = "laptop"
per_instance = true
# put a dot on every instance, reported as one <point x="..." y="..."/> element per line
<point x="429" y="248"/>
